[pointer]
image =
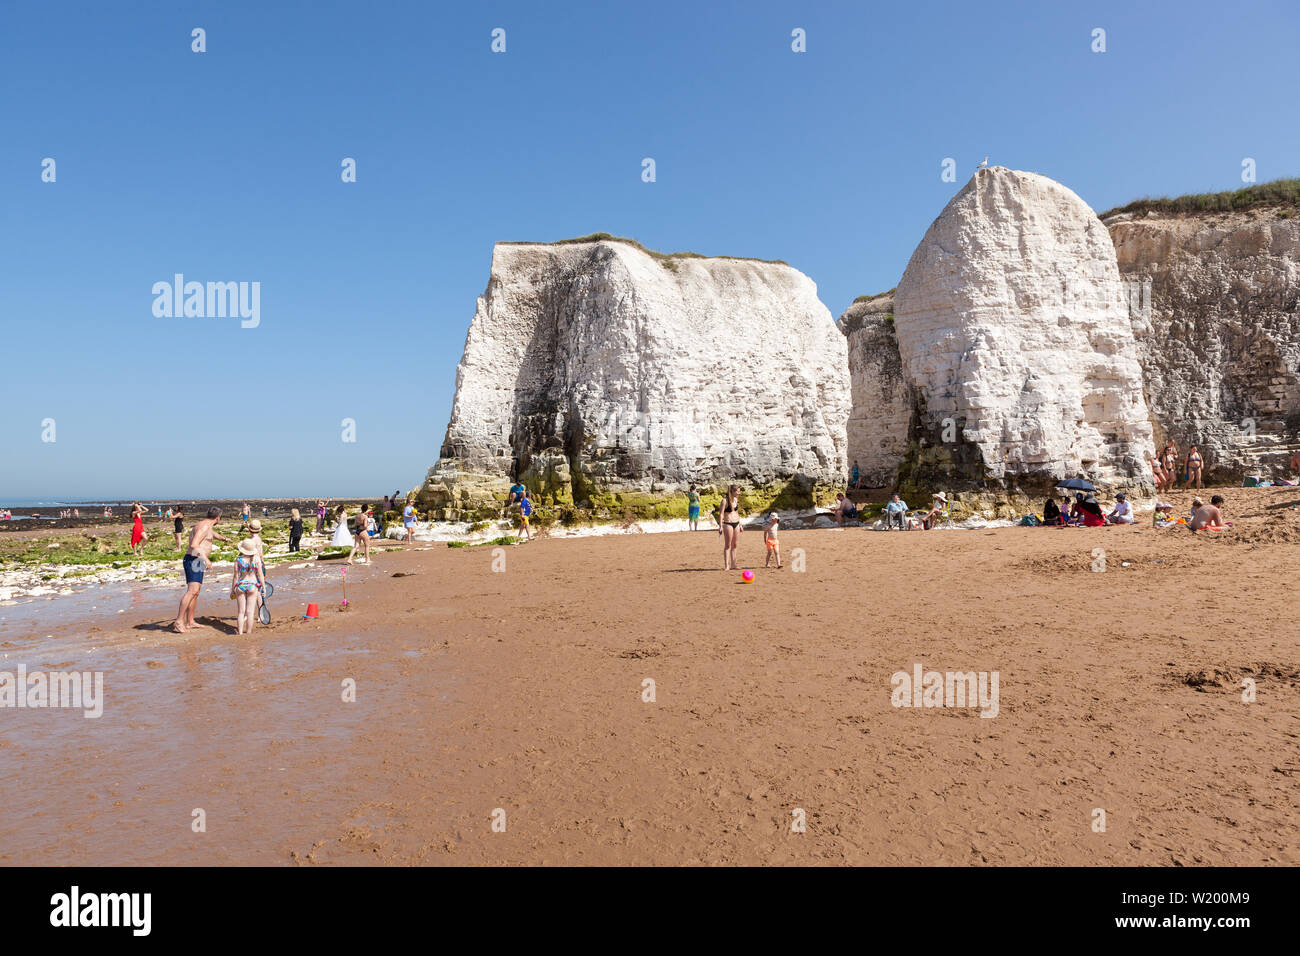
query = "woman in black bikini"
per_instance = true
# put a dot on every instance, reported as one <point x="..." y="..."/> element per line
<point x="729" y="527"/>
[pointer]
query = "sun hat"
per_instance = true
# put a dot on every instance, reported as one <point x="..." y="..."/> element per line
<point x="941" y="496"/>
<point x="247" y="547"/>
<point x="255" y="526"/>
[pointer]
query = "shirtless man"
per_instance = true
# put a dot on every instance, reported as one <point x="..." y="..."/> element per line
<point x="195" y="563"/>
<point x="1208" y="516"/>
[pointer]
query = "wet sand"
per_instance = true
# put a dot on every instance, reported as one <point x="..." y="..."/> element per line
<point x="522" y="690"/>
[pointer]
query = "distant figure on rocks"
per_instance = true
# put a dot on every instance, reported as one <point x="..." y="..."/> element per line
<point x="295" y="530"/>
<point x="243" y="513"/>
<point x="178" y="527"/>
<point x="729" y="527"/>
<point x="693" y="509"/>
<point x="1207" y="516"/>
<point x="896" y="514"/>
<point x="1194" y="465"/>
<point x="320" y="516"/>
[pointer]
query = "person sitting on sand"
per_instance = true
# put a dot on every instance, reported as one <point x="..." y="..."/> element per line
<point x="1052" y="511"/>
<point x="246" y="586"/>
<point x="194" y="564"/>
<point x="770" y="531"/>
<point x="1092" y="513"/>
<point x="896" y="513"/>
<point x="729" y="526"/>
<point x="1163" y="516"/>
<point x="1208" y="516"/>
<point x="844" y="509"/>
<point x="1122" y="513"/>
<point x="525" y="512"/>
<point x="938" y="505"/>
<point x="693" y="509"/>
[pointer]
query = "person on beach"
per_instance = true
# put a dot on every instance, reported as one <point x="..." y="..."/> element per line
<point x="295" y="530"/>
<point x="243" y="513"/>
<point x="938" y="505"/>
<point x="693" y="509"/>
<point x="246" y="586"/>
<point x="1207" y="516"/>
<point x="525" y="512"/>
<point x="341" y="539"/>
<point x="255" y="528"/>
<point x="770" y="531"/>
<point x="896" y="514"/>
<point x="844" y="509"/>
<point x="320" y="516"/>
<point x="1194" y="464"/>
<point x="1122" y="513"/>
<point x="1158" y="473"/>
<point x="855" y="476"/>
<point x="178" y="526"/>
<point x="362" y="543"/>
<point x="729" y="527"/>
<point x="1051" y="511"/>
<point x="408" y="522"/>
<point x="1171" y="460"/>
<point x="138" y="537"/>
<point x="194" y="563"/>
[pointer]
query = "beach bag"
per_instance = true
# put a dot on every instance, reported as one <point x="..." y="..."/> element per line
<point x="1250" y="481"/>
<point x="1030" y="521"/>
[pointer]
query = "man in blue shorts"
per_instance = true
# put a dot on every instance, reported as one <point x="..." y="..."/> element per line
<point x="194" y="564"/>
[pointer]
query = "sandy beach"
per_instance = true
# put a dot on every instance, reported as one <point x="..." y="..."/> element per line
<point x="521" y="690"/>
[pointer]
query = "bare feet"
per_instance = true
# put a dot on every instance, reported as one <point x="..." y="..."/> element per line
<point x="178" y="628"/>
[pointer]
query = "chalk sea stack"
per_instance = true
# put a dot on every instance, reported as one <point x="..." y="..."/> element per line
<point x="883" y="403"/>
<point x="608" y="377"/>
<point x="1013" y="328"/>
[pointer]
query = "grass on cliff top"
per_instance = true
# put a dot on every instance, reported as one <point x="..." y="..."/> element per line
<point x="878" y="295"/>
<point x="664" y="257"/>
<point x="1279" y="192"/>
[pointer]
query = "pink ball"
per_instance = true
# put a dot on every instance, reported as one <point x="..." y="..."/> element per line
<point x="747" y="576"/>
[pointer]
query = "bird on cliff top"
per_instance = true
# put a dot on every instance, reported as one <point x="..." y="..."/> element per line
<point x="984" y="164"/>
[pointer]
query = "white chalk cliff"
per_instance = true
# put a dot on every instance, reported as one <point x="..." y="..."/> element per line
<point x="1013" y="327"/>
<point x="595" y="368"/>
<point x="1214" y="300"/>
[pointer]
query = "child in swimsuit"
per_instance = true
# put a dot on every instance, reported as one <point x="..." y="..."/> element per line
<point x="693" y="508"/>
<point x="246" y="587"/>
<point x="770" y="539"/>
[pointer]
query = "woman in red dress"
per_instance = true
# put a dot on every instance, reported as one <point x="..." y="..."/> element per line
<point x="137" y="528"/>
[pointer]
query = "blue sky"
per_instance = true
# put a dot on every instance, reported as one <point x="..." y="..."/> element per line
<point x="225" y="166"/>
